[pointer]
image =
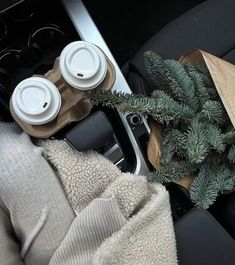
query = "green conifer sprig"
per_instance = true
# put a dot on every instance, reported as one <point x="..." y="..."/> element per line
<point x="184" y="82"/>
<point x="231" y="154"/>
<point x="224" y="179"/>
<point x="108" y="98"/>
<point x="212" y="111"/>
<point x="215" y="138"/>
<point x="211" y="179"/>
<point x="197" y="145"/>
<point x="173" y="142"/>
<point x="173" y="171"/>
<point x="204" y="188"/>
<point x="229" y="137"/>
<point x="160" y="73"/>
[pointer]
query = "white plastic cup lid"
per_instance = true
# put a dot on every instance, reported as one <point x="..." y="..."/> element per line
<point x="36" y="101"/>
<point x="83" y="65"/>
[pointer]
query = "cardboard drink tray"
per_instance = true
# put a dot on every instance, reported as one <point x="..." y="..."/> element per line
<point x="75" y="105"/>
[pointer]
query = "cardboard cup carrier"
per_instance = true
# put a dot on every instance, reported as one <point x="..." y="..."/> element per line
<point x="42" y="105"/>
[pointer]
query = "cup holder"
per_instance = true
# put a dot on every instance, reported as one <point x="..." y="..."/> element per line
<point x="20" y="13"/>
<point x="30" y="56"/>
<point x="9" y="62"/>
<point x="43" y="47"/>
<point x="47" y="38"/>
<point x="3" y="30"/>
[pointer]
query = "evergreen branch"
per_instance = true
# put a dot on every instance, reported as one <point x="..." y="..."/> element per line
<point x="201" y="71"/>
<point x="167" y="105"/>
<point x="204" y="188"/>
<point x="172" y="172"/>
<point x="224" y="179"/>
<point x="212" y="179"/>
<point x="108" y="98"/>
<point x="215" y="137"/>
<point x="202" y="92"/>
<point x="160" y="73"/>
<point x="213" y="93"/>
<point x="229" y="137"/>
<point x="212" y="111"/>
<point x="184" y="82"/>
<point x="197" y="147"/>
<point x="167" y="149"/>
<point x="231" y="154"/>
<point x="172" y="141"/>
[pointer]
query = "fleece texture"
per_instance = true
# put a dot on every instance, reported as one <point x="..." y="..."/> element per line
<point x="142" y="230"/>
<point x="35" y="215"/>
<point x="147" y="238"/>
<point x="84" y="175"/>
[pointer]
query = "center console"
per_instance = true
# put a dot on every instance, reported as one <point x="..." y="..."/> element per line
<point x="32" y="36"/>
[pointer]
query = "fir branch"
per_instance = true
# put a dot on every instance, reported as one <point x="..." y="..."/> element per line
<point x="212" y="179"/>
<point x="162" y="76"/>
<point x="184" y="82"/>
<point x="213" y="93"/>
<point x="212" y="111"/>
<point x="215" y="137"/>
<point x="172" y="142"/>
<point x="173" y="171"/>
<point x="197" y="147"/>
<point x="204" y="188"/>
<point x="161" y="107"/>
<point x="108" y="98"/>
<point x="224" y="178"/>
<point x="201" y="71"/>
<point x="169" y="106"/>
<point x="204" y="85"/>
<point x="231" y="154"/>
<point x="229" y="137"/>
<point x="153" y="62"/>
<point x="167" y="149"/>
<point x="202" y="92"/>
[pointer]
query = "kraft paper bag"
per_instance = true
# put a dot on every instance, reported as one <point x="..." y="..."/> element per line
<point x="223" y="75"/>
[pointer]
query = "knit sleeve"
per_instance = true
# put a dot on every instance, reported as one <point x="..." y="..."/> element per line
<point x="9" y="249"/>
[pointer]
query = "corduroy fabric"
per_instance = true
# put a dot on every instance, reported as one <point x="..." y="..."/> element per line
<point x="97" y="222"/>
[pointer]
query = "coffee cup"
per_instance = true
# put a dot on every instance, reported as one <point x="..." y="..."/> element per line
<point x="36" y="101"/>
<point x="83" y="65"/>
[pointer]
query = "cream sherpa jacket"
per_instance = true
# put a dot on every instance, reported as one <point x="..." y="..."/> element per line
<point x="121" y="218"/>
<point x="87" y="213"/>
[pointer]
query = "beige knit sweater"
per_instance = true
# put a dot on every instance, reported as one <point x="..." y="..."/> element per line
<point x="111" y="217"/>
<point x="33" y="206"/>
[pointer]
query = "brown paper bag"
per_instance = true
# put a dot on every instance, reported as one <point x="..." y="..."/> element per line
<point x="223" y="75"/>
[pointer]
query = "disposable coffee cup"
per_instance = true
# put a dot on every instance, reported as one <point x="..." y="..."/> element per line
<point x="83" y="65"/>
<point x="36" y="101"/>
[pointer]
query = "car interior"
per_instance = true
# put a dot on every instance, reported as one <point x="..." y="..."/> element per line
<point x="33" y="34"/>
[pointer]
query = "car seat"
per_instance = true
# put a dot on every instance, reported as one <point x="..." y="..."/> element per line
<point x="209" y="26"/>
